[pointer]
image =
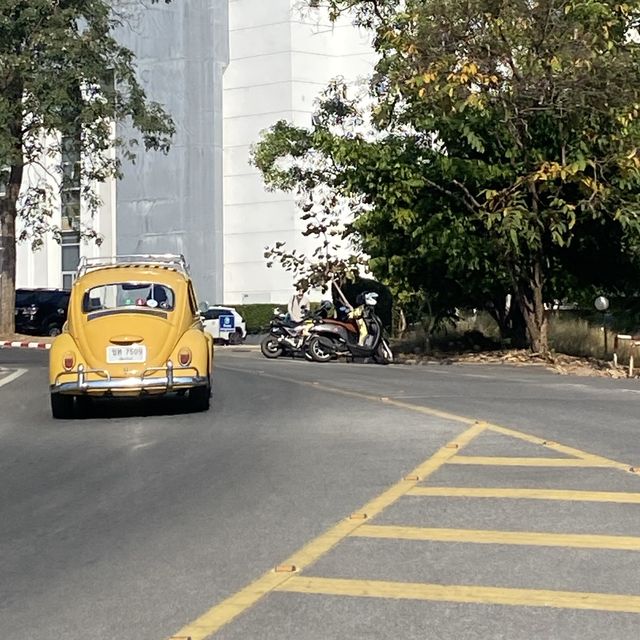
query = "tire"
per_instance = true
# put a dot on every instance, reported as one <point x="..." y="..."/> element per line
<point x="200" y="398"/>
<point x="318" y="352"/>
<point x="83" y="406"/>
<point x="270" y="347"/>
<point x="61" y="406"/>
<point x="53" y="330"/>
<point x="236" y="337"/>
<point x="384" y="355"/>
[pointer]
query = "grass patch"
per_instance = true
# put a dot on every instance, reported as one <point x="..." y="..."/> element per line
<point x="568" y="334"/>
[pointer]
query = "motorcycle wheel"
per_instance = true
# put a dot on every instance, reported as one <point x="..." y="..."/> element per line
<point x="318" y="352"/>
<point x="384" y="355"/>
<point x="270" y="347"/>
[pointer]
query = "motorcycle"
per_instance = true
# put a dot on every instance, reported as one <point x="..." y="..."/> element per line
<point x="359" y="335"/>
<point x="287" y="337"/>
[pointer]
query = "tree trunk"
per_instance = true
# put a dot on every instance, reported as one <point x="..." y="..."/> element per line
<point x="531" y="300"/>
<point x="510" y="321"/>
<point x="8" y="211"/>
<point x="13" y="92"/>
<point x="517" y="326"/>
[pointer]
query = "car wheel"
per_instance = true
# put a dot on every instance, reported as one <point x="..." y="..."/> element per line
<point x="53" y="330"/>
<point x="61" y="406"/>
<point x="270" y="347"/>
<point x="200" y="398"/>
<point x="236" y="337"/>
<point x="83" y="406"/>
<point x="318" y="351"/>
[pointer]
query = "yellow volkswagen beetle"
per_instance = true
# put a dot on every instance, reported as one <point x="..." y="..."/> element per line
<point x="133" y="329"/>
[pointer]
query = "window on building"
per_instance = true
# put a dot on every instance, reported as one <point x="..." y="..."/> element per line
<point x="108" y="87"/>
<point x="70" y="257"/>
<point x="70" y="192"/>
<point x="70" y="208"/>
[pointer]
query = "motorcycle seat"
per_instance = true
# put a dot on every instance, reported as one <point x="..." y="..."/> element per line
<point x="291" y="324"/>
<point x="349" y="325"/>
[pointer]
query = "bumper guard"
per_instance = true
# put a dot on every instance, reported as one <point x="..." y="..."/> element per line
<point x="145" y="383"/>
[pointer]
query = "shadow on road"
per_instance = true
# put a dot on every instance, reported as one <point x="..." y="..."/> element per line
<point x="112" y="408"/>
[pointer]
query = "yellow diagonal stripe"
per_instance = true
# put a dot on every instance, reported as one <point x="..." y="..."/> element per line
<point x="528" y="494"/>
<point x="219" y="615"/>
<point x="561" y="448"/>
<point x="500" y="461"/>
<point x="480" y="536"/>
<point x="463" y="593"/>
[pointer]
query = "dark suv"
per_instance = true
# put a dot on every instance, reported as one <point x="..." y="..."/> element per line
<point x="41" y="312"/>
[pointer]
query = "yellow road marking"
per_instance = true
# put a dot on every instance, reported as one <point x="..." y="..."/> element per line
<point x="561" y="448"/>
<point x="571" y="451"/>
<point x="479" y="536"/>
<point x="500" y="461"/>
<point x="528" y="494"/>
<point x="415" y="408"/>
<point x="463" y="593"/>
<point x="222" y="613"/>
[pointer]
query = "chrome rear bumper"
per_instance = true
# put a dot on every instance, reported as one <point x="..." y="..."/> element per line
<point x="107" y="385"/>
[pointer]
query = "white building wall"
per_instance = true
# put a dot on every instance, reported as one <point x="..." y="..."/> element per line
<point x="280" y="62"/>
<point x="173" y="203"/>
<point x="42" y="268"/>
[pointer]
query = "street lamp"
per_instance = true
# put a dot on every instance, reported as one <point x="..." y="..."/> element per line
<point x="602" y="304"/>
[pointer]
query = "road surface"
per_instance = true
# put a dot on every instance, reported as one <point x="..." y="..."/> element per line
<point x="440" y="502"/>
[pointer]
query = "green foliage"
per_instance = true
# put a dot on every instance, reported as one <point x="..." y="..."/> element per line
<point x="384" y="308"/>
<point x="505" y="145"/>
<point x="258" y="316"/>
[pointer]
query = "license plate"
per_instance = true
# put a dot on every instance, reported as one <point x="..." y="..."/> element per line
<point x="128" y="353"/>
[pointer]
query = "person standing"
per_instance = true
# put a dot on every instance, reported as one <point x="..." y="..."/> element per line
<point x="298" y="306"/>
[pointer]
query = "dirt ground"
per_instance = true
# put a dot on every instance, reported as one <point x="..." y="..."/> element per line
<point x="556" y="362"/>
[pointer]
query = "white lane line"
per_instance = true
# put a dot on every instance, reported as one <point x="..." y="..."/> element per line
<point x="12" y="376"/>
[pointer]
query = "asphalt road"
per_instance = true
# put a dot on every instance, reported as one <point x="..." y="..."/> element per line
<point x="144" y="522"/>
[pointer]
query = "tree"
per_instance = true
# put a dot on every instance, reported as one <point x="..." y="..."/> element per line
<point x="528" y="111"/>
<point x="58" y="60"/>
<point x="420" y="243"/>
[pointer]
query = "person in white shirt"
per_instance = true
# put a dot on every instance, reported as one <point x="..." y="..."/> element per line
<point x="298" y="306"/>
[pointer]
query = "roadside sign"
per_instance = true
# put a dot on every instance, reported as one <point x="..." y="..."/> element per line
<point x="227" y="323"/>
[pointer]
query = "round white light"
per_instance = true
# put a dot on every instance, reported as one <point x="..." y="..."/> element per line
<point x="601" y="303"/>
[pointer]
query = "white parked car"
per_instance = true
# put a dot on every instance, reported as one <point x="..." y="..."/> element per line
<point x="225" y="324"/>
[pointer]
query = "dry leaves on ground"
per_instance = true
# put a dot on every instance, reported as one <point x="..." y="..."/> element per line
<point x="557" y="362"/>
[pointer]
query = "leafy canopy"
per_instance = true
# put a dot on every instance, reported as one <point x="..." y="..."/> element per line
<point x="516" y="126"/>
<point x="62" y="71"/>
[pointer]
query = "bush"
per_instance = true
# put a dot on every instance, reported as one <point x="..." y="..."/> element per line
<point x="258" y="316"/>
<point x="364" y="285"/>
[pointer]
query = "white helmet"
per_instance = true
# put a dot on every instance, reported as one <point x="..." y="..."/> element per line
<point x="371" y="299"/>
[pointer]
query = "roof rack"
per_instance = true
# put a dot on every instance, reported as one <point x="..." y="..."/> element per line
<point x="167" y="260"/>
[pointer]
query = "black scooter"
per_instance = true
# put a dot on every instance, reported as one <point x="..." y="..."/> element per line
<point x="329" y="339"/>
<point x="288" y="338"/>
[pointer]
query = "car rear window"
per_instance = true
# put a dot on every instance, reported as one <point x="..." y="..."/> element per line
<point x="123" y="295"/>
<point x="214" y="314"/>
<point x="26" y="297"/>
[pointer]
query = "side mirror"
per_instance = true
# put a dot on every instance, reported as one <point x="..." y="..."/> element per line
<point x="203" y="307"/>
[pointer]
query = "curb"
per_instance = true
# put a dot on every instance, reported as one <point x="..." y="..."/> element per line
<point x="8" y="344"/>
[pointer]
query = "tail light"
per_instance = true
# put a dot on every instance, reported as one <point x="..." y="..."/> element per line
<point x="68" y="361"/>
<point x="184" y="357"/>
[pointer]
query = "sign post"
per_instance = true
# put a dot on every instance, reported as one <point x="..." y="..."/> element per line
<point x="602" y="304"/>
